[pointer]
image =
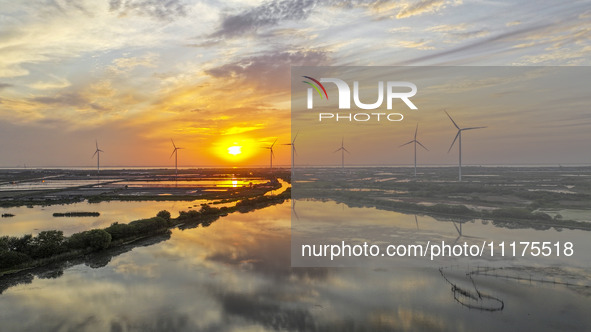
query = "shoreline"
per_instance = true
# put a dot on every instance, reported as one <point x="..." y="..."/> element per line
<point x="205" y="216"/>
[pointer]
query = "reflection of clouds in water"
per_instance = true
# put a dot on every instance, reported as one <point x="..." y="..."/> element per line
<point x="33" y="220"/>
<point x="148" y="270"/>
<point x="235" y="275"/>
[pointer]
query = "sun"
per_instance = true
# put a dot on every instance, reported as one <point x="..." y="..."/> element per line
<point x="234" y="150"/>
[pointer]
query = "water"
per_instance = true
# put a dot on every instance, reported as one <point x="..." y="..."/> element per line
<point x="42" y="184"/>
<point x="220" y="183"/>
<point x="235" y="275"/>
<point x="36" y="219"/>
<point x="118" y="183"/>
<point x="330" y="223"/>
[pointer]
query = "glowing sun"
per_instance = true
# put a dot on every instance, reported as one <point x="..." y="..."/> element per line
<point x="234" y="150"/>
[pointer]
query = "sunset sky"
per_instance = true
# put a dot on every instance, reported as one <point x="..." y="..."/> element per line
<point x="133" y="74"/>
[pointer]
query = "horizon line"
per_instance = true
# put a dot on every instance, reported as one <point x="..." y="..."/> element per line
<point x="304" y="166"/>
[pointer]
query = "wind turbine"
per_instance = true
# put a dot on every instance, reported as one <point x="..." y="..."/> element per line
<point x="175" y="153"/>
<point x="293" y="150"/>
<point x="459" y="134"/>
<point x="97" y="153"/>
<point x="342" y="149"/>
<point x="271" y="154"/>
<point x="416" y="142"/>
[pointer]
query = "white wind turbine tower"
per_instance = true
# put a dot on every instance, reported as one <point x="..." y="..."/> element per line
<point x="175" y="153"/>
<point x="293" y="150"/>
<point x="342" y="149"/>
<point x="271" y="154"/>
<point x="459" y="134"/>
<point x="416" y="142"/>
<point x="97" y="153"/>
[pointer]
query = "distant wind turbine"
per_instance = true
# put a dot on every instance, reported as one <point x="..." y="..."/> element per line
<point x="343" y="150"/>
<point x="459" y="134"/>
<point x="271" y="154"/>
<point x="97" y="153"/>
<point x="175" y="153"/>
<point x="293" y="150"/>
<point x="416" y="142"/>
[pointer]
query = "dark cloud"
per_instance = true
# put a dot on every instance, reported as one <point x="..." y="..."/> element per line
<point x="5" y="85"/>
<point x="64" y="99"/>
<point x="269" y="311"/>
<point x="469" y="34"/>
<point x="479" y="46"/>
<point x="165" y="10"/>
<point x="64" y="7"/>
<point x="268" y="13"/>
<point x="271" y="13"/>
<point x="269" y="71"/>
<point x="69" y="99"/>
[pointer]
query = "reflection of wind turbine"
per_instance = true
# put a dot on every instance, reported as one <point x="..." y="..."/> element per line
<point x="459" y="134"/>
<point x="271" y="154"/>
<point x="175" y="153"/>
<point x="293" y="150"/>
<point x="459" y="230"/>
<point x="293" y="209"/>
<point x="97" y="153"/>
<point x="460" y="233"/>
<point x="342" y="149"/>
<point x="416" y="142"/>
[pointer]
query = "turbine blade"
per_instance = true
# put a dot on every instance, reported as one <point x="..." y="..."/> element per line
<point x="274" y="142"/>
<point x="173" y="143"/>
<point x="99" y="150"/>
<point x="346" y="150"/>
<point x="294" y="150"/>
<point x="406" y="144"/>
<point x="173" y="152"/>
<point x="96" y="142"/>
<point x="95" y="152"/>
<point x="337" y="150"/>
<point x="452" y="120"/>
<point x="295" y="137"/>
<point x="473" y="128"/>
<point x="452" y="143"/>
<point x="416" y="130"/>
<point x="419" y="143"/>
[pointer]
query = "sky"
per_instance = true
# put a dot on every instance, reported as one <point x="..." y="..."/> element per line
<point x="134" y="74"/>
